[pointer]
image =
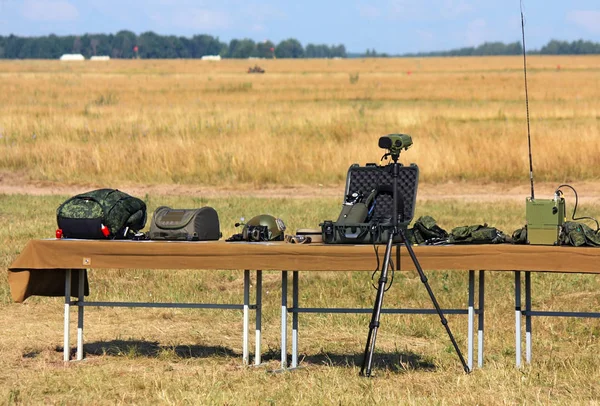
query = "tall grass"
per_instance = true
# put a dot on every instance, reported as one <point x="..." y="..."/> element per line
<point x="303" y="122"/>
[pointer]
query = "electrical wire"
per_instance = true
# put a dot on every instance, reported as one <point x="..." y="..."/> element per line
<point x="558" y="191"/>
<point x="376" y="249"/>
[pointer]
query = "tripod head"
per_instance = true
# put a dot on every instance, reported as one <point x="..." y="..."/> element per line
<point x="395" y="143"/>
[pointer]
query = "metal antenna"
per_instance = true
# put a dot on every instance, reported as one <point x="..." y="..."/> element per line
<point x="527" y="102"/>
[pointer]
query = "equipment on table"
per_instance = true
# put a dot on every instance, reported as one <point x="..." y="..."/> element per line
<point x="101" y="214"/>
<point x="313" y="233"/>
<point x="395" y="225"/>
<point x="476" y="234"/>
<point x="368" y="209"/>
<point x="260" y="228"/>
<point x="426" y="231"/>
<point x="547" y="223"/>
<point x="184" y="224"/>
<point x="545" y="218"/>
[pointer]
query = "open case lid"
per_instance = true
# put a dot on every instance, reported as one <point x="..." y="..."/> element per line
<point x="363" y="179"/>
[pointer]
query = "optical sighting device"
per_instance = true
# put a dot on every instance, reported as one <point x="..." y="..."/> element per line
<point x="395" y="143"/>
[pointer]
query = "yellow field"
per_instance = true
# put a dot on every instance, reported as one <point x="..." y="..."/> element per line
<point x="303" y="122"/>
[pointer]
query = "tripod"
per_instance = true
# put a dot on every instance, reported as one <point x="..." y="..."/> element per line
<point x="396" y="230"/>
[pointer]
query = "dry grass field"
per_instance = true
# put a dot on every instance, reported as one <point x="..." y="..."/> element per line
<point x="167" y="129"/>
<point x="303" y="122"/>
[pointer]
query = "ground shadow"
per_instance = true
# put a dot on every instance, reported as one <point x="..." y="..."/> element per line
<point x="397" y="362"/>
<point x="141" y="348"/>
<point x="389" y="361"/>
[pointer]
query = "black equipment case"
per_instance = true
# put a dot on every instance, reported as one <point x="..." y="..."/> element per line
<point x="184" y="224"/>
<point x="370" y="221"/>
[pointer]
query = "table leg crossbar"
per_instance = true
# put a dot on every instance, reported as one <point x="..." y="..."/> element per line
<point x="245" y="307"/>
<point x="528" y="313"/>
<point x="295" y="310"/>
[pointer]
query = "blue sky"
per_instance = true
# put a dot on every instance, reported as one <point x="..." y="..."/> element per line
<point x="392" y="26"/>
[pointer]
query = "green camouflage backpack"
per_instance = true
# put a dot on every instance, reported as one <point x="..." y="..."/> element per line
<point x="578" y="234"/>
<point x="425" y="230"/>
<point x="101" y="214"/>
<point x="476" y="234"/>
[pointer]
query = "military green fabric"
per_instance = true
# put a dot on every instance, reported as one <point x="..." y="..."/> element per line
<point x="426" y="229"/>
<point x="579" y="234"/>
<point x="476" y="234"/>
<point x="353" y="214"/>
<point x="275" y="228"/>
<point x="201" y="224"/>
<point x="80" y="208"/>
<point x="115" y="209"/>
<point x="519" y="236"/>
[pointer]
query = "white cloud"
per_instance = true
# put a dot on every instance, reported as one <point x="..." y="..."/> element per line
<point x="200" y="19"/>
<point x="424" y="35"/>
<point x="407" y="9"/>
<point x="588" y="19"/>
<point x="52" y="10"/>
<point x="257" y="28"/>
<point x="432" y="10"/>
<point x="476" y="31"/>
<point x="368" y="11"/>
<point x="261" y="13"/>
<point x="454" y="8"/>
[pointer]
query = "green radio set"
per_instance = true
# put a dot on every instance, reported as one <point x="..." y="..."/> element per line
<point x="545" y="218"/>
<point x="546" y="221"/>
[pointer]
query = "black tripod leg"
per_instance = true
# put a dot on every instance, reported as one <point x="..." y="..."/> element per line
<point x="372" y="337"/>
<point x="433" y="299"/>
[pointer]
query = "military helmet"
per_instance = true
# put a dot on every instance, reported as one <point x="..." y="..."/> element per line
<point x="264" y="228"/>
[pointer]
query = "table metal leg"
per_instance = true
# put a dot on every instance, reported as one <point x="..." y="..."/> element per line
<point x="66" y="332"/>
<point x="480" y="319"/>
<point x="80" y="307"/>
<point x="246" y="327"/>
<point x="294" y="319"/>
<point x="257" y="351"/>
<point x="284" y="281"/>
<point x="518" y="318"/>
<point x="528" y="317"/>
<point x="471" y="320"/>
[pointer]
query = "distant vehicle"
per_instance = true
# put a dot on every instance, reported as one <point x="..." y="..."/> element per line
<point x="256" y="69"/>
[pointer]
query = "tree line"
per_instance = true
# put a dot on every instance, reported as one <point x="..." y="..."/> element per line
<point x="554" y="47"/>
<point x="126" y="44"/>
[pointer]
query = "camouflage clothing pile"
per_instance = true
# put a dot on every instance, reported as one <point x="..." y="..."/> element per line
<point x="579" y="234"/>
<point x="476" y="234"/>
<point x="426" y="231"/>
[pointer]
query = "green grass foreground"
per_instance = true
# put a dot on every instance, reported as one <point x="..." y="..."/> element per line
<point x="164" y="356"/>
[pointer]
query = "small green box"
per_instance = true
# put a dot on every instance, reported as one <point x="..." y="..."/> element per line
<point x="544" y="220"/>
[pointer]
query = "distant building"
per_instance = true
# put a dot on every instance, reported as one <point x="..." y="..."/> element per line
<point x="211" y="58"/>
<point x="100" y="58"/>
<point x="72" y="57"/>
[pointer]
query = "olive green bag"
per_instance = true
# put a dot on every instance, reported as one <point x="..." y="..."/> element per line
<point x="184" y="224"/>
